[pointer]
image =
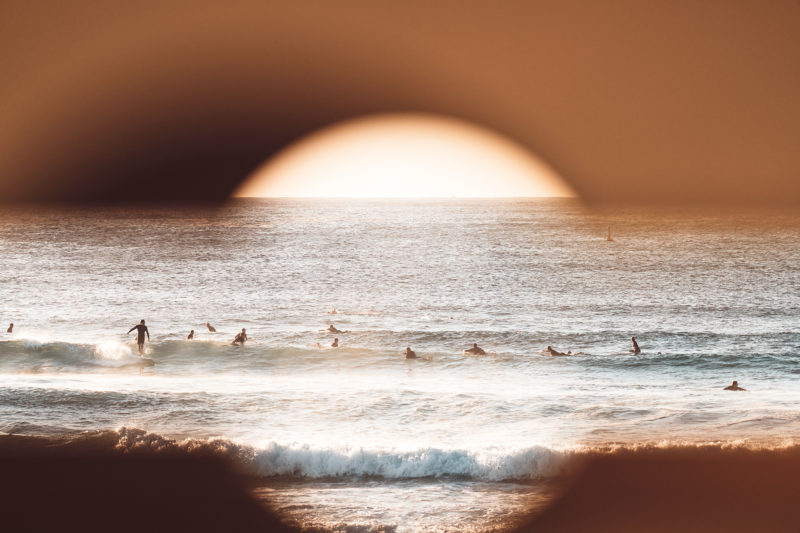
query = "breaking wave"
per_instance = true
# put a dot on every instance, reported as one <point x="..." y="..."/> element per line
<point x="309" y="462"/>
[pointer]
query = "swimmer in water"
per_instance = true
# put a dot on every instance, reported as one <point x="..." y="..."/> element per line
<point x="335" y="343"/>
<point x="191" y="336"/>
<point x="10" y="328"/>
<point x="332" y="329"/>
<point x="734" y="386"/>
<point x="552" y="351"/>
<point x="141" y="331"/>
<point x="636" y="350"/>
<point x="410" y="354"/>
<point x="333" y="312"/>
<point x="475" y="350"/>
<point x="211" y="328"/>
<point x="240" y="338"/>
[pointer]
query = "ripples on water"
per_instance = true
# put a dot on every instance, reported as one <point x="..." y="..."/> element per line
<point x="358" y="435"/>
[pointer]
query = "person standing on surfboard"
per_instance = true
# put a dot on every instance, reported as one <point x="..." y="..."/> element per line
<point x="141" y="331"/>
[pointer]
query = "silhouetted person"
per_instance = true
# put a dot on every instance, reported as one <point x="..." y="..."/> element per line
<point x="410" y="354"/>
<point x="335" y="343"/>
<point x="333" y="329"/>
<point x="191" y="336"/>
<point x="475" y="350"/>
<point x="211" y="328"/>
<point x="553" y="351"/>
<point x="10" y="328"/>
<point x="636" y="350"/>
<point x="734" y="386"/>
<point x="240" y="338"/>
<point x="141" y="331"/>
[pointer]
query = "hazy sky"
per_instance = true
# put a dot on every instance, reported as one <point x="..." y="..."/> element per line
<point x="656" y="101"/>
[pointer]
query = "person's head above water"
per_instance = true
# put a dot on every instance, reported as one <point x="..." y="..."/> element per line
<point x="735" y="383"/>
<point x="243" y="330"/>
<point x="142" y="322"/>
<point x="474" y="344"/>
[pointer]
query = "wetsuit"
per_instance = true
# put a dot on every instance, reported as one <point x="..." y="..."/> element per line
<point x="140" y="333"/>
<point x="636" y="350"/>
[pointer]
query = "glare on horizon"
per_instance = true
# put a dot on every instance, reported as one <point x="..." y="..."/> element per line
<point x="403" y="155"/>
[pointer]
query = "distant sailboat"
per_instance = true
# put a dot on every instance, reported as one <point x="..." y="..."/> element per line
<point x="608" y="237"/>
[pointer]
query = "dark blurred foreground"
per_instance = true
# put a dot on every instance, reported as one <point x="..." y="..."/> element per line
<point x="58" y="485"/>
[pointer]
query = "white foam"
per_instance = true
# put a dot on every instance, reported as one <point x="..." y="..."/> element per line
<point x="490" y="465"/>
<point x="114" y="353"/>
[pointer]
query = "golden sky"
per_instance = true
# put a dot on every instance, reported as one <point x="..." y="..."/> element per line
<point x="629" y="101"/>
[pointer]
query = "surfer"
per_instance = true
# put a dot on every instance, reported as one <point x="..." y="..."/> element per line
<point x="734" y="386"/>
<point x="333" y="312"/>
<point x="141" y="331"/>
<point x="211" y="328"/>
<point x="332" y="329"/>
<point x="191" y="336"/>
<point x="552" y="351"/>
<point x="636" y="350"/>
<point x="240" y="338"/>
<point x="335" y="343"/>
<point x="410" y="354"/>
<point x="475" y="350"/>
<point x="10" y="328"/>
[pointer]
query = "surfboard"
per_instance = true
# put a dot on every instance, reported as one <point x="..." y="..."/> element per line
<point x="144" y="361"/>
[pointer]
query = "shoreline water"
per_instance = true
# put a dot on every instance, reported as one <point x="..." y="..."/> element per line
<point x="715" y="294"/>
<point x="625" y="489"/>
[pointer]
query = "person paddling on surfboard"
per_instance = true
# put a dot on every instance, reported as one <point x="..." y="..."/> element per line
<point x="141" y="331"/>
<point x="552" y="351"/>
<point x="240" y="338"/>
<point x="475" y="350"/>
<point x="734" y="386"/>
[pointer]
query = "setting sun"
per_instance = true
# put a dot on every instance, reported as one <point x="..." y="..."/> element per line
<point x="404" y="156"/>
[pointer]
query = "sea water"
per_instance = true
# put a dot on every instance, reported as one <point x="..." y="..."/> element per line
<point x="358" y="437"/>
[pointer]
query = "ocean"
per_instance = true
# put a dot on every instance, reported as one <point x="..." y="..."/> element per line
<point x="358" y="438"/>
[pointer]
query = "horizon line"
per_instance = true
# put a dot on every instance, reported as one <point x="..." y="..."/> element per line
<point x="398" y="197"/>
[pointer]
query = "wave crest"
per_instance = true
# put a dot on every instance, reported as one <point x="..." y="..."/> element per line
<point x="308" y="462"/>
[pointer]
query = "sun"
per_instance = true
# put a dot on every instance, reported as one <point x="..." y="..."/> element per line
<point x="404" y="155"/>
